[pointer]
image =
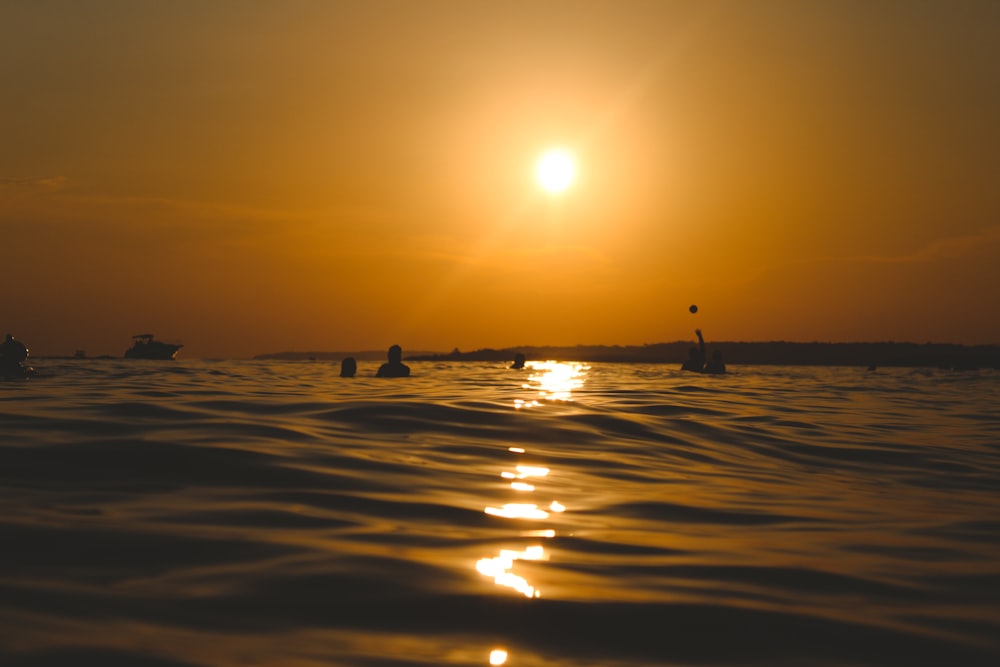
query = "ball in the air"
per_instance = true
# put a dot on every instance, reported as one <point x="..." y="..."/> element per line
<point x="693" y="309"/>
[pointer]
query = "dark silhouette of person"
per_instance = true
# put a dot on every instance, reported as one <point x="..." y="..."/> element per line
<point x="518" y="361"/>
<point x="716" y="365"/>
<point x="12" y="354"/>
<point x="394" y="368"/>
<point x="348" y="367"/>
<point x="696" y="356"/>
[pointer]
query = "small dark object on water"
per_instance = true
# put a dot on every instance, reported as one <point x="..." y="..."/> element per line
<point x="13" y="354"/>
<point x="145" y="346"/>
<point x="693" y="309"/>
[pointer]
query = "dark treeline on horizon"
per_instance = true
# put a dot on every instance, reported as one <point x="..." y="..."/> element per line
<point x="936" y="355"/>
<point x="364" y="355"/>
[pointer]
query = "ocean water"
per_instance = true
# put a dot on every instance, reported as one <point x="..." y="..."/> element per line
<point x="224" y="513"/>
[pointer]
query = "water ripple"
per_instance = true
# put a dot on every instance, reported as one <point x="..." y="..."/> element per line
<point x="198" y="513"/>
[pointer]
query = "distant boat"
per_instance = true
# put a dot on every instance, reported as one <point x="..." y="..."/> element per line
<point x="145" y="347"/>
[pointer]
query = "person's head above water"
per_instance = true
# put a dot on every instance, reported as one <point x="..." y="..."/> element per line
<point x="13" y="351"/>
<point x="348" y="367"/>
<point x="394" y="368"/>
<point x="395" y="354"/>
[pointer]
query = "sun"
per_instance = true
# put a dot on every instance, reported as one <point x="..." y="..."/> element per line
<point x="555" y="170"/>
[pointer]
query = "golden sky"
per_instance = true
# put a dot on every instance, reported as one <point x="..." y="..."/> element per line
<point x="252" y="176"/>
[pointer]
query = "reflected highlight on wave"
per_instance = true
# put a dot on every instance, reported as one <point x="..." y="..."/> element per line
<point x="500" y="567"/>
<point x="554" y="381"/>
<point x="523" y="472"/>
<point x="518" y="511"/>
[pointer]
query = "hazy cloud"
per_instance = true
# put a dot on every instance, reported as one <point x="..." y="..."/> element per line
<point x="955" y="247"/>
<point x="45" y="183"/>
<point x="949" y="248"/>
<point x="938" y="250"/>
<point x="199" y="210"/>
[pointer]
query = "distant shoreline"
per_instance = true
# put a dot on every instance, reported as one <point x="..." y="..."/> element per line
<point x="935" y="355"/>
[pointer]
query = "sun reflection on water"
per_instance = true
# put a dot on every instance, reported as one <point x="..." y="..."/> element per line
<point x="518" y="511"/>
<point x="553" y="380"/>
<point x="500" y="568"/>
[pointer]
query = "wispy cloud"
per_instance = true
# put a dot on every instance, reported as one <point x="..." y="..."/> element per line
<point x="948" y="249"/>
<point x="192" y="209"/>
<point x="45" y="183"/>
<point x="953" y="247"/>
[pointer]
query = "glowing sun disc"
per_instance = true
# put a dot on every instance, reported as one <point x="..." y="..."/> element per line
<point x="555" y="170"/>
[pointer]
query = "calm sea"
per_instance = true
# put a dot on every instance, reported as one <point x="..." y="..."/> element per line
<point x="272" y="513"/>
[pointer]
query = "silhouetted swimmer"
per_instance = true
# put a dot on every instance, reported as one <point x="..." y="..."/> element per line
<point x="518" y="361"/>
<point x="348" y="367"/>
<point x="394" y="368"/>
<point x="716" y="365"/>
<point x="13" y="353"/>
<point x="696" y="356"/>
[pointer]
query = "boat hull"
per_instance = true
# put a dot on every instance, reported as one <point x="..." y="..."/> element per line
<point x="153" y="350"/>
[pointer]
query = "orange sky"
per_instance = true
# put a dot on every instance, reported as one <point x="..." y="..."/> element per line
<point x="253" y="176"/>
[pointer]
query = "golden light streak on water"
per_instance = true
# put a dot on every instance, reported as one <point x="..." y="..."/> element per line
<point x="500" y="569"/>
<point x="555" y="380"/>
<point x="523" y="472"/>
<point x="539" y="533"/>
<point x="518" y="511"/>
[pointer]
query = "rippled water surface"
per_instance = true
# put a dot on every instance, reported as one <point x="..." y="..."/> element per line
<point x="273" y="513"/>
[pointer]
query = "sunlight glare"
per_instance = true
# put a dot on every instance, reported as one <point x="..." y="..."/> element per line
<point x="498" y="656"/>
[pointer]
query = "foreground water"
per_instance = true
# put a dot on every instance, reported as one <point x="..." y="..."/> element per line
<point x="273" y="513"/>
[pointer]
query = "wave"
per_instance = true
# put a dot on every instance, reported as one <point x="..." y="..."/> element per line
<point x="196" y="514"/>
